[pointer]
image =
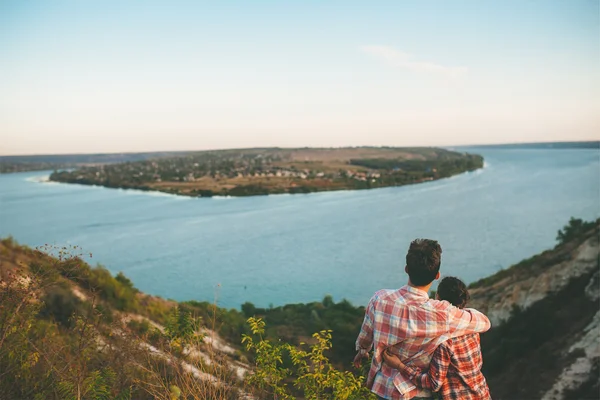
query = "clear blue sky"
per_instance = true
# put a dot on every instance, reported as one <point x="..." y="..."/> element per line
<point x="112" y="76"/>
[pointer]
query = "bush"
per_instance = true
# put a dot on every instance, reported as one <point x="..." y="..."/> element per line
<point x="60" y="304"/>
<point x="312" y="372"/>
<point x="140" y="327"/>
<point x="574" y="228"/>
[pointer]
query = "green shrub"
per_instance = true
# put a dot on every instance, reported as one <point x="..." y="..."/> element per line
<point x="311" y="371"/>
<point x="575" y="227"/>
<point x="60" y="304"/>
<point x="140" y="327"/>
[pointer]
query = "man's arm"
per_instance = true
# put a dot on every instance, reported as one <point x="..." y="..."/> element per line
<point x="466" y="321"/>
<point x="431" y="379"/>
<point x="365" y="337"/>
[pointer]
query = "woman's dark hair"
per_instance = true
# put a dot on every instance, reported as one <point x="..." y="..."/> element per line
<point x="453" y="290"/>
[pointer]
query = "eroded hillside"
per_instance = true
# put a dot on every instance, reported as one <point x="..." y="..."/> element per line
<point x="545" y="343"/>
<point x="71" y="331"/>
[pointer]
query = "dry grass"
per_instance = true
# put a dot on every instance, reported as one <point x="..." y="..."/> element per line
<point x="345" y="154"/>
<point x="216" y="185"/>
<point x="321" y="160"/>
<point x="202" y="369"/>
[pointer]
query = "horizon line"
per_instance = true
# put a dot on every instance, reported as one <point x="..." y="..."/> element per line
<point x="291" y="148"/>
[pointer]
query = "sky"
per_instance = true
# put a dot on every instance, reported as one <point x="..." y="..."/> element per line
<point x="127" y="76"/>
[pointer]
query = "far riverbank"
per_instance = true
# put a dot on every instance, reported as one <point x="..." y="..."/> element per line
<point x="251" y="172"/>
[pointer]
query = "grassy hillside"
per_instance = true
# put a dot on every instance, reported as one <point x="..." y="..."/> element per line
<point x="68" y="330"/>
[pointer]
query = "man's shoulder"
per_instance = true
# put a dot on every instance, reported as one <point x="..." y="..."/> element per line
<point x="387" y="295"/>
<point x="403" y="298"/>
<point x="403" y="295"/>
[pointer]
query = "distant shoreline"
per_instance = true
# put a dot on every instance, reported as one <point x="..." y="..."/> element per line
<point x="241" y="173"/>
<point x="225" y="197"/>
<point x="585" y="145"/>
<point x="41" y="162"/>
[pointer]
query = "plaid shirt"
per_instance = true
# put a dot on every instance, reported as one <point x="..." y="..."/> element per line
<point x="455" y="370"/>
<point x="414" y="326"/>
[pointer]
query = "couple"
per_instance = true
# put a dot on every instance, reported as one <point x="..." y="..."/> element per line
<point x="422" y="345"/>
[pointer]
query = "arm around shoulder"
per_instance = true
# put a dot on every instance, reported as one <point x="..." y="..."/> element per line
<point x="482" y="322"/>
<point x="468" y="320"/>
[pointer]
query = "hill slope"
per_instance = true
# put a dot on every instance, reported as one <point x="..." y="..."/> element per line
<point x="545" y="340"/>
<point x="546" y="316"/>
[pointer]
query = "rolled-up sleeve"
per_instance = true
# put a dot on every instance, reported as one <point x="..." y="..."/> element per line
<point x="365" y="337"/>
<point x="467" y="321"/>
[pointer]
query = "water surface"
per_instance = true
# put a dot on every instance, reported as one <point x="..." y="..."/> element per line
<point x="297" y="248"/>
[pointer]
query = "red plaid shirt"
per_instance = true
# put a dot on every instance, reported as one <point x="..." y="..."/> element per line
<point x="454" y="371"/>
<point x="414" y="326"/>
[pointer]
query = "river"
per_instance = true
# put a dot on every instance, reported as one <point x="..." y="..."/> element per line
<point x="279" y="249"/>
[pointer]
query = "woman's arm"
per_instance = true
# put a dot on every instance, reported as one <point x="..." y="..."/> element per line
<point x="365" y="338"/>
<point x="431" y="379"/>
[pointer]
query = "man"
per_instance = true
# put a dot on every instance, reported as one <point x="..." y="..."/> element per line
<point x="455" y="369"/>
<point x="411" y="325"/>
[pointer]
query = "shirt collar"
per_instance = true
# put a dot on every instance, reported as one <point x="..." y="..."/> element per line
<point x="415" y="292"/>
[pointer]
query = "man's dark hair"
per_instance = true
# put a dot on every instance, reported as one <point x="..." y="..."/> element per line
<point x="423" y="261"/>
<point x="453" y="290"/>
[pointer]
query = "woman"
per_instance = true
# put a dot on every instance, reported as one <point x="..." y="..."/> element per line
<point x="455" y="368"/>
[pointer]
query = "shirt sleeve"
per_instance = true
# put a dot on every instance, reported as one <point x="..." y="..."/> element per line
<point x="467" y="321"/>
<point x="365" y="337"/>
<point x="434" y="377"/>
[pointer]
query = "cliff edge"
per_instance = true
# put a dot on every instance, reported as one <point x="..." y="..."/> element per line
<point x="545" y="313"/>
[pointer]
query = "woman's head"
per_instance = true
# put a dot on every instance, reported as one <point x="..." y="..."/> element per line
<point x="454" y="291"/>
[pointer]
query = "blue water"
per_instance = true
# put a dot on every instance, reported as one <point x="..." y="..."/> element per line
<point x="297" y="248"/>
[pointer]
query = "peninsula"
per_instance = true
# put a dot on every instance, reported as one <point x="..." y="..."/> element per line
<point x="261" y="171"/>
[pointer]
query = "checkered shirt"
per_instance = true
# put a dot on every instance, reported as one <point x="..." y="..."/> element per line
<point x="414" y="326"/>
<point x="454" y="371"/>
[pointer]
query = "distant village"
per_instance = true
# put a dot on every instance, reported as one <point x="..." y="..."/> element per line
<point x="176" y="170"/>
<point x="254" y="172"/>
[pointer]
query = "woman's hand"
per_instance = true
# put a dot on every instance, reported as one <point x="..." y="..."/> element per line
<point x="362" y="353"/>
<point x="392" y="360"/>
